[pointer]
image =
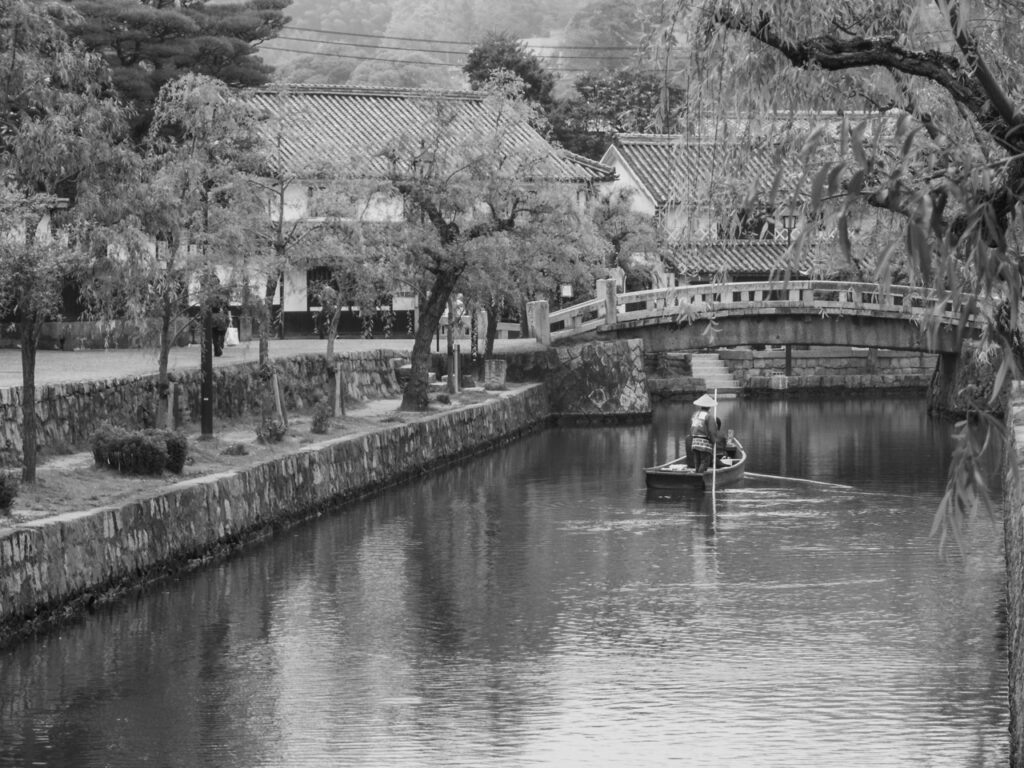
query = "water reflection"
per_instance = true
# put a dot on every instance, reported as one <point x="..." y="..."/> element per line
<point x="537" y="608"/>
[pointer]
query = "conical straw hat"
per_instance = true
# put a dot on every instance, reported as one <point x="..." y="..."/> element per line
<point x="705" y="401"/>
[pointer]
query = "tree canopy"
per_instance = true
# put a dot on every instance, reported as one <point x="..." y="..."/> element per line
<point x="500" y="51"/>
<point x="482" y="195"/>
<point x="147" y="43"/>
<point x="59" y="150"/>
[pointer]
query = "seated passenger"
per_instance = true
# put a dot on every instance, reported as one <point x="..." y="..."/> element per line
<point x="731" y="444"/>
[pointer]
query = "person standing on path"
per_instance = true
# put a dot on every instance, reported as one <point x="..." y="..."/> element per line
<point x="219" y="322"/>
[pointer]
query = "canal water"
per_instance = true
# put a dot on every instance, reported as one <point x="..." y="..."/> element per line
<point x="534" y="607"/>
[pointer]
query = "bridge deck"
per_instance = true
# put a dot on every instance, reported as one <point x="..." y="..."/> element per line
<point x="929" y="319"/>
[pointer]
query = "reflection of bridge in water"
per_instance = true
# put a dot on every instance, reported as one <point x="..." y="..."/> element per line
<point x="799" y="312"/>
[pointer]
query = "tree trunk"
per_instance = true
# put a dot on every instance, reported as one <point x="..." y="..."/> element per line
<point x="206" y="377"/>
<point x="266" y="318"/>
<point x="332" y="331"/>
<point x="493" y="315"/>
<point x="453" y="385"/>
<point x="415" y="396"/>
<point x="162" y="383"/>
<point x="29" y="342"/>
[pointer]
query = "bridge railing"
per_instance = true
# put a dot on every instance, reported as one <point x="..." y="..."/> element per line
<point x="692" y="302"/>
<point x="820" y="294"/>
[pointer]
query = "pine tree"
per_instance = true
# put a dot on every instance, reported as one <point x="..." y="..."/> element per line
<point x="147" y="43"/>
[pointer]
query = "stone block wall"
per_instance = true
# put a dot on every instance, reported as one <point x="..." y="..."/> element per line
<point x="592" y="380"/>
<point x="69" y="413"/>
<point x="830" y="368"/>
<point x="56" y="562"/>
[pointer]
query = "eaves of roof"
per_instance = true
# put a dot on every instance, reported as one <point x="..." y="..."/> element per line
<point x="599" y="172"/>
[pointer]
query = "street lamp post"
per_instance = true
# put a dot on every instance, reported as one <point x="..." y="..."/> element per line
<point x="789" y="224"/>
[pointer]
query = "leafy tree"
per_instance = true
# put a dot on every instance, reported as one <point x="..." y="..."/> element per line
<point x="58" y="137"/>
<point x="621" y="101"/>
<point x="500" y="51"/>
<point x="148" y="43"/>
<point x="357" y="275"/>
<point x="278" y="232"/>
<point x="189" y="238"/>
<point x="471" y="184"/>
<point x="629" y="234"/>
<point x="942" y="151"/>
<point x="544" y="253"/>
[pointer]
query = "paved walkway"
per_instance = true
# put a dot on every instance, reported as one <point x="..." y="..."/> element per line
<point x="54" y="367"/>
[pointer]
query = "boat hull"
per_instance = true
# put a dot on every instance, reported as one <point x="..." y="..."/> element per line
<point x="672" y="475"/>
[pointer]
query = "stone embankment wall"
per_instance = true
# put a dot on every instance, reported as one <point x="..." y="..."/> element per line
<point x="68" y="559"/>
<point x="589" y="381"/>
<point x="1013" y="539"/>
<point x="1013" y="528"/>
<point x="69" y="413"/>
<point x="819" y="368"/>
<point x="825" y="367"/>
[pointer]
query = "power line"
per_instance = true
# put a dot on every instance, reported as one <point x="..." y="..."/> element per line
<point x="470" y="43"/>
<point x="398" y="60"/>
<point x="421" y="50"/>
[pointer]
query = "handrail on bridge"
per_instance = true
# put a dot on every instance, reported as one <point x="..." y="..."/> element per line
<point x="705" y="300"/>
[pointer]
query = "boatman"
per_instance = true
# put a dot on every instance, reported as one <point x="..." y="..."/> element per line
<point x="703" y="432"/>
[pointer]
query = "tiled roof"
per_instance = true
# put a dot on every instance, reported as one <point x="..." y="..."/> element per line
<point x="747" y="257"/>
<point x="359" y="122"/>
<point x="597" y="171"/>
<point x="674" y="169"/>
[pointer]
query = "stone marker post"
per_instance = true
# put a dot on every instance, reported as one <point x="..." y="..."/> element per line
<point x="539" y="323"/>
<point x="606" y="290"/>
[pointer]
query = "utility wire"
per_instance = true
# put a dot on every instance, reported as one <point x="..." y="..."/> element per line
<point x="406" y="60"/>
<point x="422" y="50"/>
<point x="470" y="43"/>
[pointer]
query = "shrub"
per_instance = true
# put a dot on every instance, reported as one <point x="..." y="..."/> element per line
<point x="8" y="490"/>
<point x="270" y="431"/>
<point x="139" y="452"/>
<point x="177" y="449"/>
<point x="321" y="418"/>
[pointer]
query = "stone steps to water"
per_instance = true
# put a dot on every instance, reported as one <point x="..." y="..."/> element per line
<point x="709" y="367"/>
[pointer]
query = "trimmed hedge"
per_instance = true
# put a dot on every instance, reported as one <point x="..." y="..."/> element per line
<point x="8" y="491"/>
<point x="139" y="452"/>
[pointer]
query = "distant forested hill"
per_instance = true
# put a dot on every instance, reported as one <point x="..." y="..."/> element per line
<point x="370" y="53"/>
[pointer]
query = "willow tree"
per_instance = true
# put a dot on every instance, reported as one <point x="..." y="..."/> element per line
<point x="933" y="135"/>
<point x="194" y="207"/>
<point x="476" y="185"/>
<point x="59" y="136"/>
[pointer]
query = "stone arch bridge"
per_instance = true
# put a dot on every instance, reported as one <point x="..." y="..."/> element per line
<point x="797" y="312"/>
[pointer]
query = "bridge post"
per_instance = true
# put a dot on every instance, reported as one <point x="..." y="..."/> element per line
<point x="538" y="321"/>
<point x="606" y="290"/>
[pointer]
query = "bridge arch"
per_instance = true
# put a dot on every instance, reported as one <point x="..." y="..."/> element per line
<point x="811" y="312"/>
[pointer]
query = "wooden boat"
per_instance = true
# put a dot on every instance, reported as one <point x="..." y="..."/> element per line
<point x="677" y="474"/>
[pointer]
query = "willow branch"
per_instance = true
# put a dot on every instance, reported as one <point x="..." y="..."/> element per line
<point x="965" y="86"/>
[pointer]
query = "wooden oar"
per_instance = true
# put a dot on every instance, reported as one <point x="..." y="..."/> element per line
<point x="714" y="458"/>
<point x="799" y="480"/>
